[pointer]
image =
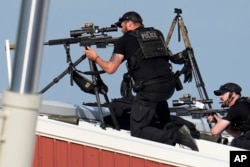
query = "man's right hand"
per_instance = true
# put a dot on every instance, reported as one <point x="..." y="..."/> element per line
<point x="210" y="119"/>
<point x="90" y="53"/>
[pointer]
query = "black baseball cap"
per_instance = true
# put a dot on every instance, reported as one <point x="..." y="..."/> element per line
<point x="133" y="16"/>
<point x="228" y="87"/>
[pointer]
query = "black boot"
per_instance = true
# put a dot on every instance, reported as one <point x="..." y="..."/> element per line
<point x="183" y="136"/>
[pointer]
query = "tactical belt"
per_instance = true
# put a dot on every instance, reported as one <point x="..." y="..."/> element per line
<point x="139" y="86"/>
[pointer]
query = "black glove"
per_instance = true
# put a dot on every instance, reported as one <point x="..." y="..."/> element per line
<point x="182" y="58"/>
<point x="187" y="69"/>
<point x="177" y="58"/>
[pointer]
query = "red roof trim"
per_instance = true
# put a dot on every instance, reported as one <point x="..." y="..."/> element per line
<point x="51" y="152"/>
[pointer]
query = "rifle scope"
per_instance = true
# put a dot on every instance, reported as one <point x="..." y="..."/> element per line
<point x="188" y="101"/>
<point x="89" y="28"/>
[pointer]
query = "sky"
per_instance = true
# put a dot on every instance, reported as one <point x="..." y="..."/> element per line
<point x="218" y="32"/>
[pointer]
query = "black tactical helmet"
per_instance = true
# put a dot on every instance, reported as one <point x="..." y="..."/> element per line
<point x="228" y="87"/>
<point x="133" y="16"/>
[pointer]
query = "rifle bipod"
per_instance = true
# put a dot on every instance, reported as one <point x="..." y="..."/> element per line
<point x="195" y="70"/>
<point x="68" y="70"/>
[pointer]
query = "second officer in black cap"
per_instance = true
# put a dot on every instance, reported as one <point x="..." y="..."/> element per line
<point x="237" y="120"/>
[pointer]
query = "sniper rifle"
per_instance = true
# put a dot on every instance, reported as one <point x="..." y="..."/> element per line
<point x="195" y="112"/>
<point x="195" y="108"/>
<point x="87" y="36"/>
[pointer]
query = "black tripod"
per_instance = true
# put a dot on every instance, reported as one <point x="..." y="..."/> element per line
<point x="195" y="70"/>
<point x="96" y="86"/>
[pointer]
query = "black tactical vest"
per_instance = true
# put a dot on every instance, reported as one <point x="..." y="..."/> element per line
<point x="244" y="126"/>
<point x="151" y="45"/>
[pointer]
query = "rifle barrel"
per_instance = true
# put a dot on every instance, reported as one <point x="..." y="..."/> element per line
<point x="101" y="41"/>
<point x="65" y="41"/>
<point x="195" y="112"/>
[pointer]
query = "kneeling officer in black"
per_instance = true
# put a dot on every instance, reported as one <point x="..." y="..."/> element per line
<point x="151" y="76"/>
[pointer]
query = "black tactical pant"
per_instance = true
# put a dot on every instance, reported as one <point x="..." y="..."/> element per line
<point x="242" y="141"/>
<point x="149" y="106"/>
